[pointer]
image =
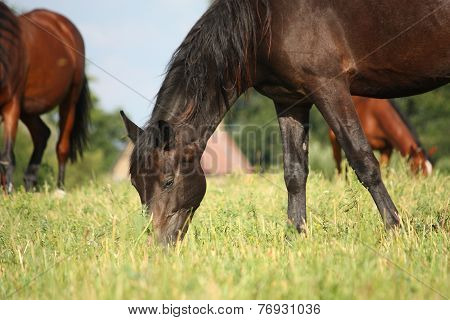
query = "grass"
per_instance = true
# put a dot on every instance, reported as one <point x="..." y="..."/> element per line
<point x="92" y="244"/>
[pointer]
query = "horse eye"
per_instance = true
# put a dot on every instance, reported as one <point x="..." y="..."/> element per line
<point x="168" y="183"/>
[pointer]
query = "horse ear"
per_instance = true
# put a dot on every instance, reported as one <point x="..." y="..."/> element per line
<point x="166" y="138"/>
<point x="132" y="129"/>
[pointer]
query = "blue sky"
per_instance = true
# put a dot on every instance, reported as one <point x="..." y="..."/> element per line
<point x="133" y="40"/>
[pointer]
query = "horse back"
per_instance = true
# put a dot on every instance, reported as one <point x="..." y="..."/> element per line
<point x="397" y="46"/>
<point x="385" y="48"/>
<point x="55" y="58"/>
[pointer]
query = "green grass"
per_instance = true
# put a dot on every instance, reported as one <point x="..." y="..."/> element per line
<point x="92" y="244"/>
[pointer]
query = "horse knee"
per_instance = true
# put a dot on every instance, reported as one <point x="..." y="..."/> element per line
<point x="295" y="179"/>
<point x="62" y="151"/>
<point x="367" y="169"/>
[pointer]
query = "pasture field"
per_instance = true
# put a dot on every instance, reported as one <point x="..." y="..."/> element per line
<point x="92" y="244"/>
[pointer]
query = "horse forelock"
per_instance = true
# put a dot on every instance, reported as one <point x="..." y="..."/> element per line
<point x="145" y="144"/>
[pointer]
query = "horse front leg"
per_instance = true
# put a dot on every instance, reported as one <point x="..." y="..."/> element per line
<point x="40" y="134"/>
<point x="333" y="99"/>
<point x="10" y="113"/>
<point x="294" y="126"/>
<point x="385" y="156"/>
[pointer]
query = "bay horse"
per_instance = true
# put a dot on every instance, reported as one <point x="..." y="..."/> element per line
<point x="12" y="80"/>
<point x="298" y="53"/>
<point x="55" y="64"/>
<point x="386" y="129"/>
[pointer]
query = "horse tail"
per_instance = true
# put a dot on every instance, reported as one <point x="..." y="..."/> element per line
<point x="79" y="135"/>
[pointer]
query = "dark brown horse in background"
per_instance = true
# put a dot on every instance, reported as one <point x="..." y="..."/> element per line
<point x="387" y="129"/>
<point x="299" y="53"/>
<point x="55" y="65"/>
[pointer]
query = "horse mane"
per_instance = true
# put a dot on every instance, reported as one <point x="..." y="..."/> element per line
<point x="9" y="33"/>
<point x="217" y="56"/>
<point x="410" y="127"/>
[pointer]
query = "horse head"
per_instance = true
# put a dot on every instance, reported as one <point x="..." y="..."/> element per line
<point x="167" y="174"/>
<point x="420" y="160"/>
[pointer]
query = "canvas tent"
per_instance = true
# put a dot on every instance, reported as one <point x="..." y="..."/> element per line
<point x="222" y="156"/>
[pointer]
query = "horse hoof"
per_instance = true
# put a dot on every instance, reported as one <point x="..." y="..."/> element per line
<point x="10" y="188"/>
<point x="59" y="194"/>
<point x="29" y="187"/>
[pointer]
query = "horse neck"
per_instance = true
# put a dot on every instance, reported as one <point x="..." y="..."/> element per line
<point x="214" y="64"/>
<point x="199" y="126"/>
<point x="409" y="141"/>
<point x="404" y="141"/>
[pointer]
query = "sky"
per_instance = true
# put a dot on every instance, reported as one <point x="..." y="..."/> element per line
<point x="131" y="40"/>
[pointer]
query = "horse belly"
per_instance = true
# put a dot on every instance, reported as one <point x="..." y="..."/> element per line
<point x="391" y="87"/>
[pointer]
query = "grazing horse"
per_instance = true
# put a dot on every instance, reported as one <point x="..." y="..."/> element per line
<point x="55" y="77"/>
<point x="387" y="129"/>
<point x="12" y="79"/>
<point x="298" y="53"/>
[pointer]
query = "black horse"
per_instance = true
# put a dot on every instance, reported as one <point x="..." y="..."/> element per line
<point x="299" y="53"/>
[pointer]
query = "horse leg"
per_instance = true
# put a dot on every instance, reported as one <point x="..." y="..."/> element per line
<point x="385" y="156"/>
<point x="334" y="101"/>
<point x="10" y="113"/>
<point x="336" y="151"/>
<point x="40" y="134"/>
<point x="67" y="119"/>
<point x="294" y="126"/>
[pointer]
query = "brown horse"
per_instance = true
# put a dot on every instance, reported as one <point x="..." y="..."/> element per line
<point x="387" y="129"/>
<point x="55" y="64"/>
<point x="12" y="80"/>
<point x="299" y="53"/>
